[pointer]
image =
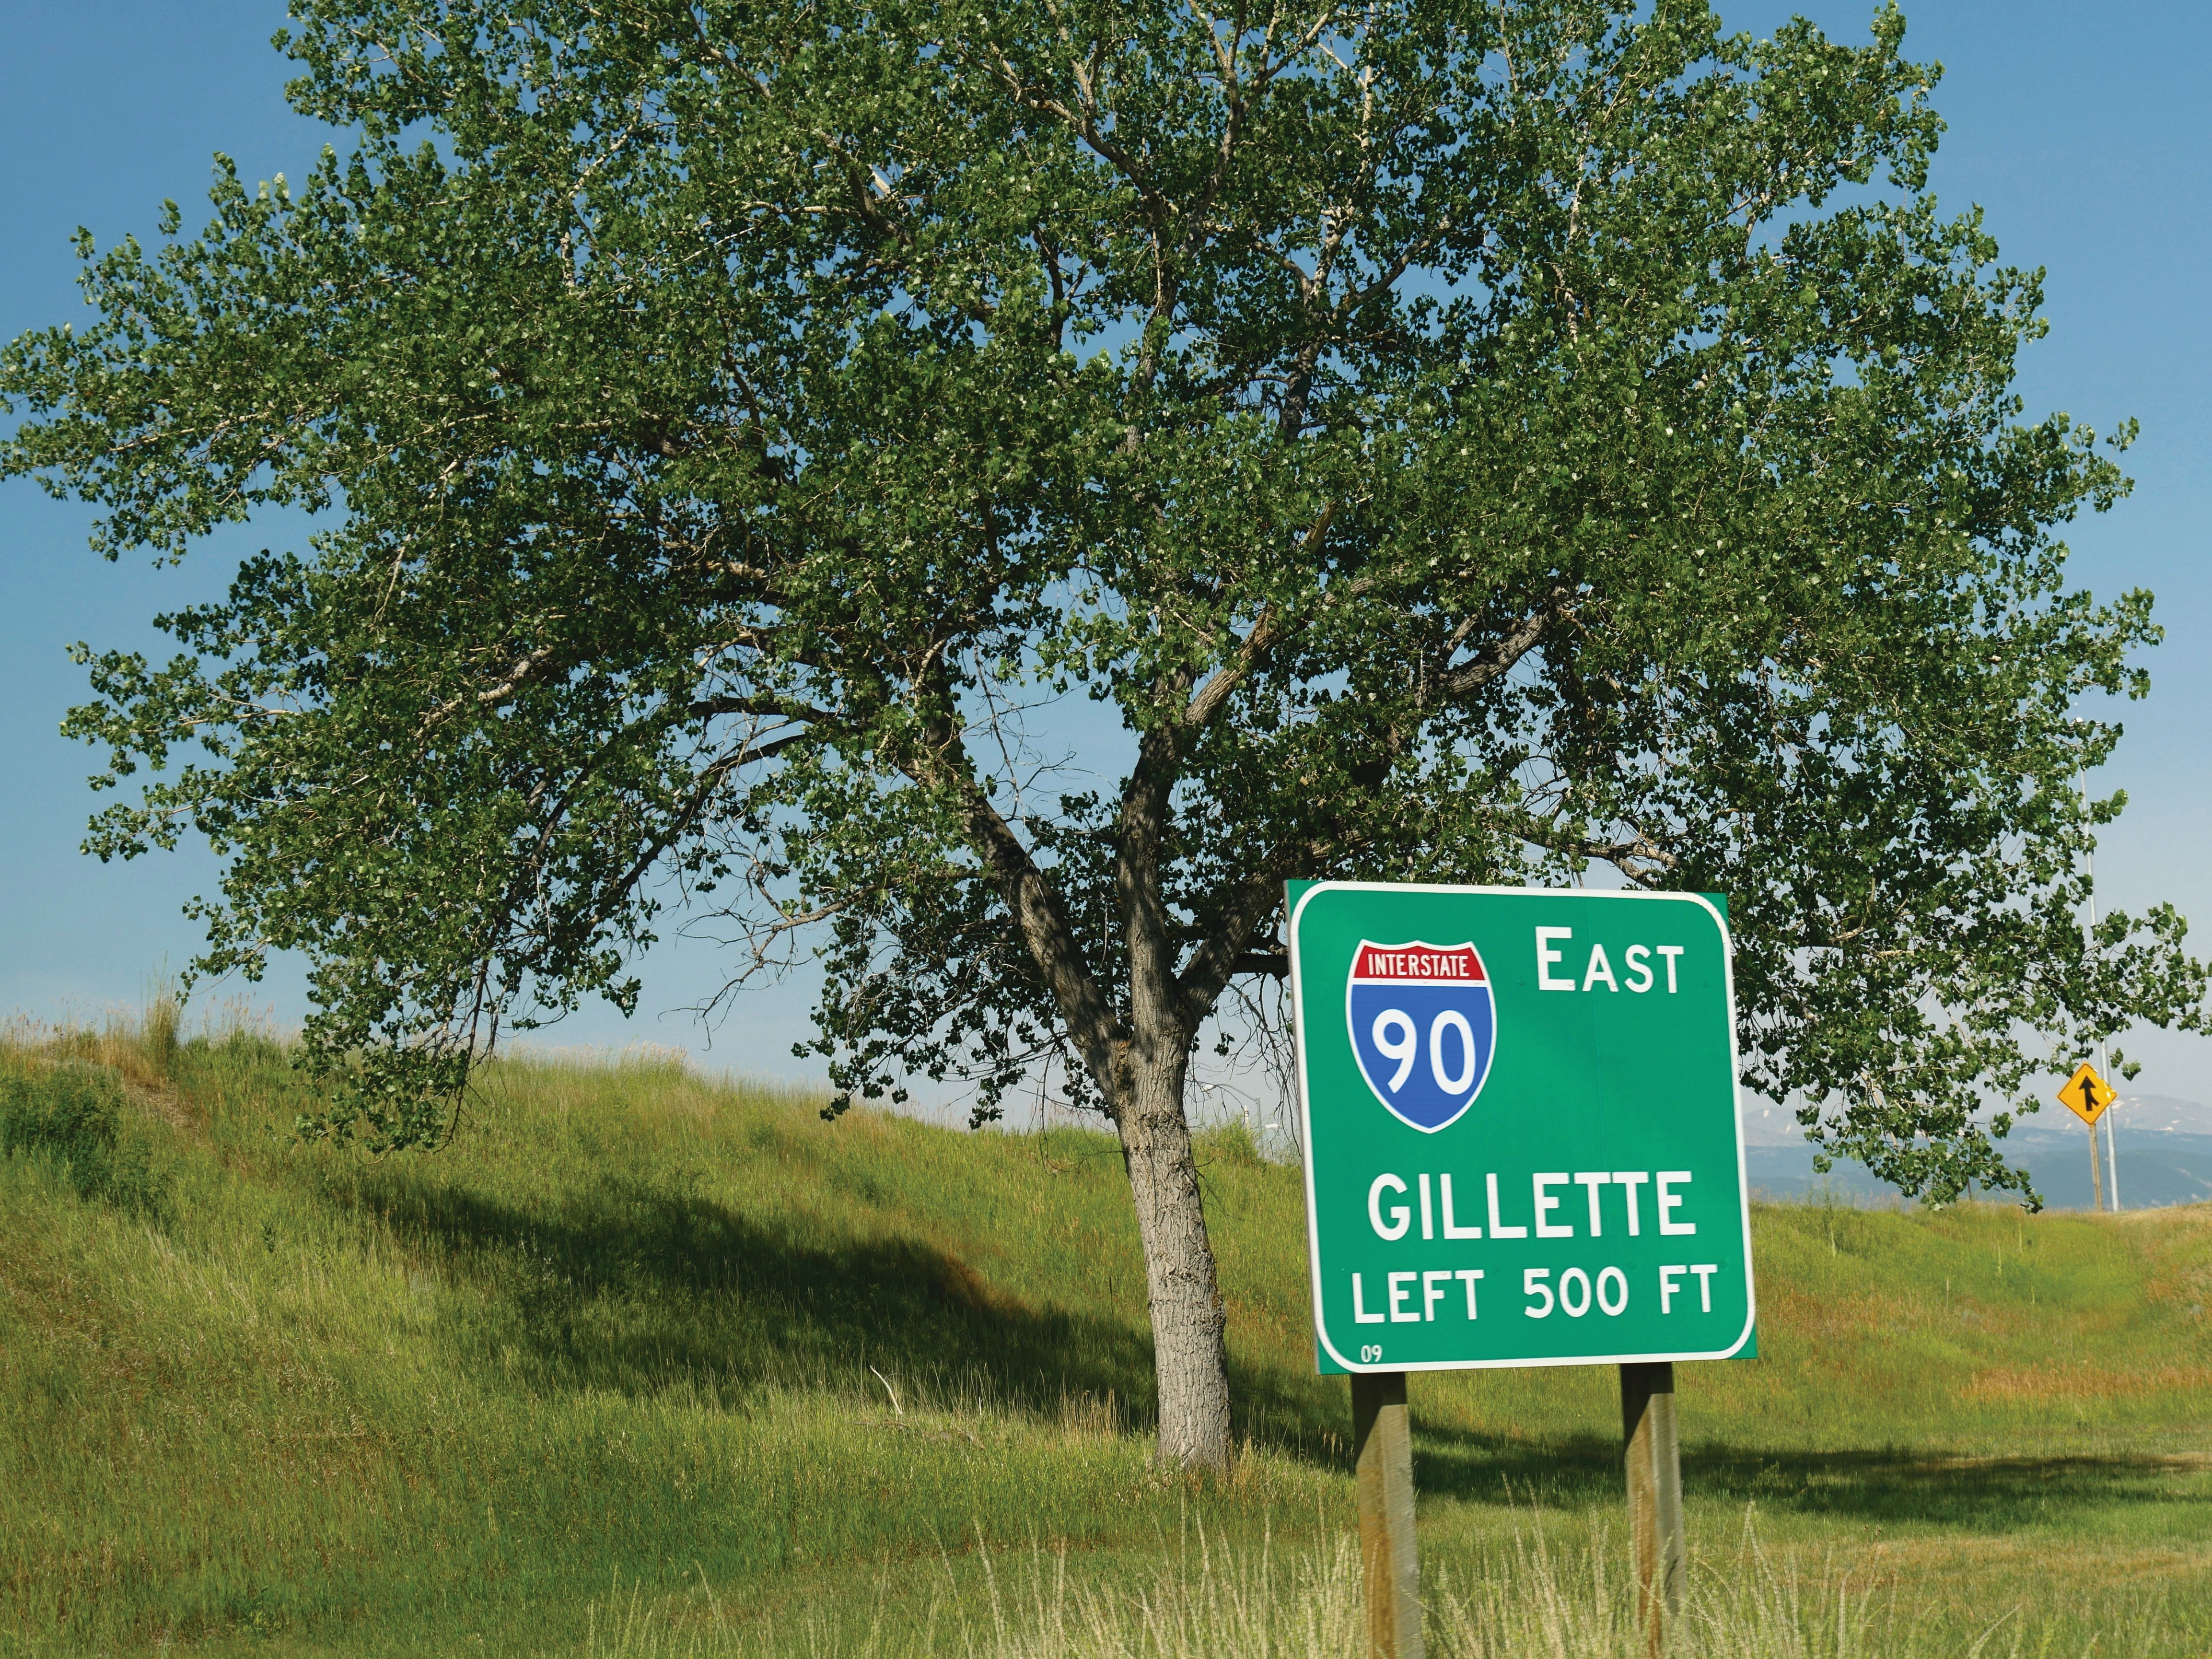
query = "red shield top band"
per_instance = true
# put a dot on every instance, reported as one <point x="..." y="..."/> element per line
<point x="1431" y="964"/>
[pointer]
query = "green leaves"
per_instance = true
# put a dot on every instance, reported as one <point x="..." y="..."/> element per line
<point x="1544" y="442"/>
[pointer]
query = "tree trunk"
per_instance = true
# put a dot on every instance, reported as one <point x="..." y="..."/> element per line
<point x="1190" y="1325"/>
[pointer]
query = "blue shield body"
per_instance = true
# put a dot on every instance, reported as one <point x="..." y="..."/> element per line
<point x="1423" y="1026"/>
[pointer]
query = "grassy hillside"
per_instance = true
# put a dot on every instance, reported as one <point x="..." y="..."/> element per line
<point x="646" y="1361"/>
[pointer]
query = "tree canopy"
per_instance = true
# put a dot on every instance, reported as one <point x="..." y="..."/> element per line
<point x="1539" y="442"/>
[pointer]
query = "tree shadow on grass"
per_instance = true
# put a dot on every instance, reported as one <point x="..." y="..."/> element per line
<point x="1881" y="1485"/>
<point x="627" y="1286"/>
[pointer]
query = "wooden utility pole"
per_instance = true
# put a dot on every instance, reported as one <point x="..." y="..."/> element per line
<point x="1654" y="1452"/>
<point x="1383" y="1455"/>
<point x="2096" y="1172"/>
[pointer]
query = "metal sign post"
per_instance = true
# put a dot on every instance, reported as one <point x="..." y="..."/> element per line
<point x="1522" y="1149"/>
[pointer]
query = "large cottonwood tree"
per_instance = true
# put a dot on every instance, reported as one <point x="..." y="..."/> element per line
<point x="1458" y="442"/>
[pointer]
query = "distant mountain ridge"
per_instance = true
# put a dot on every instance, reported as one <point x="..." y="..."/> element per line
<point x="2157" y="1114"/>
<point x="2163" y="1146"/>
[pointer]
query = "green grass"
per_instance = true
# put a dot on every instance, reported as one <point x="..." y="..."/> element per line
<point x="614" y="1373"/>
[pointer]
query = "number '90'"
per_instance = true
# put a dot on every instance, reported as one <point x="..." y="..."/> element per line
<point x="1396" y="1037"/>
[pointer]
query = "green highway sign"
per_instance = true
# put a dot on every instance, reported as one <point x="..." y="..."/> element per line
<point x="1522" y="1143"/>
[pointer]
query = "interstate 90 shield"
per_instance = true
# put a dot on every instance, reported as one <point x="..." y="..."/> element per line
<point x="1423" y="1028"/>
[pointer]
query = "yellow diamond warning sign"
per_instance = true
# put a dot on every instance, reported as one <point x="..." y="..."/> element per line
<point x="2086" y="1095"/>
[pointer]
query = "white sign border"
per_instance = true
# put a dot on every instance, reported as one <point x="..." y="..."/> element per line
<point x="1306" y="1125"/>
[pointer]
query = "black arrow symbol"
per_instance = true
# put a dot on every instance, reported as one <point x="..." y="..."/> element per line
<point x="2088" y="1094"/>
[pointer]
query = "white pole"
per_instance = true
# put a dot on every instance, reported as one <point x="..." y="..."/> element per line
<point x="2112" y="1156"/>
<point x="2104" y="1062"/>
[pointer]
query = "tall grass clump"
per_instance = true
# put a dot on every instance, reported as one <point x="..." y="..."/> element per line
<point x="1526" y="1598"/>
<point x="73" y="1117"/>
<point x="160" y="1031"/>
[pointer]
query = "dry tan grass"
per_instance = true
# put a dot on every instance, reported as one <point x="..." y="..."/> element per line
<point x="2084" y="1380"/>
<point x="1526" y="1599"/>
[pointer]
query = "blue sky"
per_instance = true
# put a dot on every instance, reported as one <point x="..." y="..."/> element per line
<point x="2085" y="132"/>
